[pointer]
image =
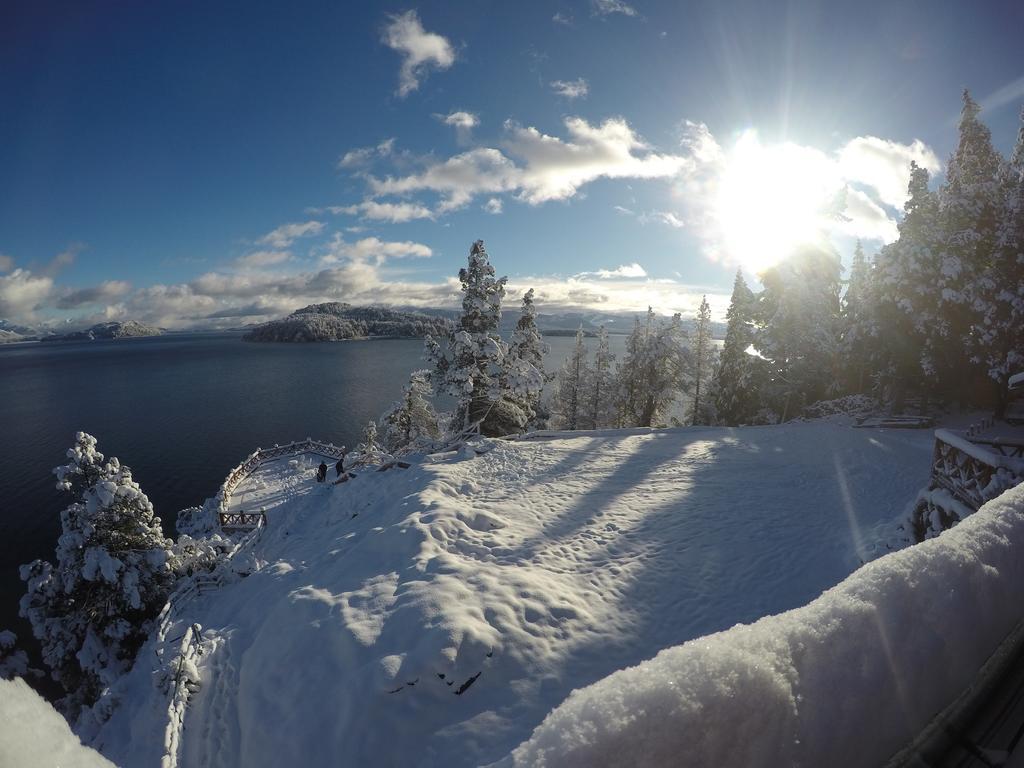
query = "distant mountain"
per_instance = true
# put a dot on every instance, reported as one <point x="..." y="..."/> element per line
<point x="6" y="337"/>
<point x="335" y="321"/>
<point x="114" y="330"/>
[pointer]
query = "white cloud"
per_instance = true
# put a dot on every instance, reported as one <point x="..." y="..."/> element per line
<point x="286" y="234"/>
<point x="375" y="249"/>
<point x="885" y="165"/>
<point x="363" y="156"/>
<point x="259" y="259"/>
<point x="663" y="217"/>
<point x="6" y="263"/>
<point x="494" y="205"/>
<point x="107" y="291"/>
<point x="866" y="219"/>
<point x="549" y="168"/>
<point x="21" y="293"/>
<point x="460" y="119"/>
<point x="395" y="213"/>
<point x="1007" y="94"/>
<point x="606" y="7"/>
<point x="571" y="89"/>
<point x="420" y="50"/>
<point x="561" y="18"/>
<point x="624" y="270"/>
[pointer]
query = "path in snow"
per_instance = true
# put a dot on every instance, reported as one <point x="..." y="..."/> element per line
<point x="519" y="575"/>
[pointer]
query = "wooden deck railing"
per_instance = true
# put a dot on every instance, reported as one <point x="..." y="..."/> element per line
<point x="242" y="519"/>
<point x="262" y="455"/>
<point x="965" y="474"/>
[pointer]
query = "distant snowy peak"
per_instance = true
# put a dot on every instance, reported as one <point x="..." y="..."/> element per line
<point x="335" y="321"/>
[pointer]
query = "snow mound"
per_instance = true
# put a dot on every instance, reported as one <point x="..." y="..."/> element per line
<point x="844" y="681"/>
<point x="32" y="733"/>
<point x="434" y="615"/>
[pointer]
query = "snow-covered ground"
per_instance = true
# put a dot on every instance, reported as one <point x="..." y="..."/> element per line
<point x="436" y="615"/>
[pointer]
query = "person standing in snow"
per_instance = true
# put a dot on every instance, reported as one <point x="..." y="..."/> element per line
<point x="340" y="466"/>
<point x="321" y="472"/>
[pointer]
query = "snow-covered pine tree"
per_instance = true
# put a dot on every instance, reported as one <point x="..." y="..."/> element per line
<point x="702" y="362"/>
<point x="970" y="206"/>
<point x="524" y="370"/>
<point x="740" y="375"/>
<point x="411" y="422"/>
<point x="998" y="333"/>
<point x="370" y="442"/>
<point x="13" y="660"/>
<point x="799" y="313"/>
<point x="653" y="371"/>
<point x="472" y="366"/>
<point x="569" y="401"/>
<point x="600" y="392"/>
<point x="93" y="609"/>
<point x="856" y="323"/>
<point x="628" y="384"/>
<point x="903" y="295"/>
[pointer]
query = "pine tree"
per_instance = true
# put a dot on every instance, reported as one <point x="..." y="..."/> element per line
<point x="569" y="399"/>
<point x="799" y="313"/>
<point x="740" y="375"/>
<point x="13" y="660"/>
<point x="93" y="609"/>
<point x="903" y="295"/>
<point x="856" y="322"/>
<point x="652" y="373"/>
<point x="369" y="444"/>
<point x="411" y="422"/>
<point x="998" y="332"/>
<point x="703" y="361"/>
<point x="524" y="370"/>
<point x="628" y="385"/>
<point x="970" y="204"/>
<point x="600" y="393"/>
<point x="472" y="367"/>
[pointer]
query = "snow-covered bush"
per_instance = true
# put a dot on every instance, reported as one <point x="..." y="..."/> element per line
<point x="92" y="610"/>
<point x="198" y="522"/>
<point x="13" y="660"/>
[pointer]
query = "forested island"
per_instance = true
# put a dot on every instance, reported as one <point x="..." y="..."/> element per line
<point x="112" y="330"/>
<point x="334" y="321"/>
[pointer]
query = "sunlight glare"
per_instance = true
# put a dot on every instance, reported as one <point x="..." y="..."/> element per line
<point x="773" y="199"/>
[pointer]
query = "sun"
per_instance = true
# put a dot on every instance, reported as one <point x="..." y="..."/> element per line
<point x="771" y="200"/>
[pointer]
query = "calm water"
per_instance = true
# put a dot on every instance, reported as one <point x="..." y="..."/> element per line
<point x="179" y="410"/>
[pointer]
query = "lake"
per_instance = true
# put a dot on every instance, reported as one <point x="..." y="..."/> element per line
<point x="181" y="410"/>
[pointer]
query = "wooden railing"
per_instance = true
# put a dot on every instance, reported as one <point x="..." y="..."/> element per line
<point x="242" y="519"/>
<point x="965" y="475"/>
<point x="262" y="455"/>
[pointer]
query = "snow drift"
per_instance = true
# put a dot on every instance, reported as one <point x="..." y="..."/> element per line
<point x="844" y="681"/>
<point x="33" y="733"/>
<point x="435" y="615"/>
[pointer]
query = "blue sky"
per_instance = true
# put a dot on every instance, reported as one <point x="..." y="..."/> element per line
<point x="184" y="163"/>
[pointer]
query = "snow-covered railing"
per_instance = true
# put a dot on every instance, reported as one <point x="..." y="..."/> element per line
<point x="965" y="475"/>
<point x="185" y="681"/>
<point x="185" y="677"/>
<point x="261" y="455"/>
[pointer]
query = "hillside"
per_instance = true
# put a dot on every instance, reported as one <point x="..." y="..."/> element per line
<point x="435" y="615"/>
<point x="334" y="321"/>
<point x="113" y="330"/>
